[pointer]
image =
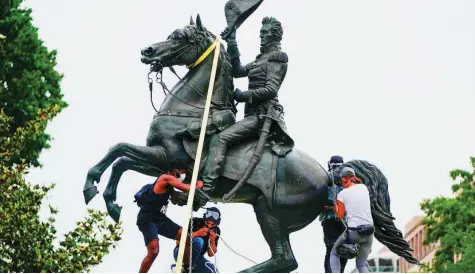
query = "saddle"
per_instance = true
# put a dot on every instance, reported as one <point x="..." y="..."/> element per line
<point x="237" y="159"/>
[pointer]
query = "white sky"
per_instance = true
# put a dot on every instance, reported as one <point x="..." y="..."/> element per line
<point x="397" y="76"/>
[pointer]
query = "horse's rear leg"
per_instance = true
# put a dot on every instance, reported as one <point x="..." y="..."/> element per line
<point x="118" y="168"/>
<point x="277" y="238"/>
<point x="154" y="155"/>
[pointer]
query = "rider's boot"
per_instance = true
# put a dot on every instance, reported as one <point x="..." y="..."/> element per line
<point x="213" y="168"/>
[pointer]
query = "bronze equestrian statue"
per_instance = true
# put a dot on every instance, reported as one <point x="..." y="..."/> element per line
<point x="288" y="189"/>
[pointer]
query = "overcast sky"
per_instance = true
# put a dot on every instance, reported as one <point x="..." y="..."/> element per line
<point x="396" y="77"/>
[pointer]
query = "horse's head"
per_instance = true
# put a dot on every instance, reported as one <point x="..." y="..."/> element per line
<point x="182" y="47"/>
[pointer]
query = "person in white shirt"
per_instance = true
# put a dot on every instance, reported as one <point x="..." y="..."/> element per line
<point x="355" y="202"/>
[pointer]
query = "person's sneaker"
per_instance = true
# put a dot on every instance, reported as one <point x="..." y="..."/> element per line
<point x="185" y="269"/>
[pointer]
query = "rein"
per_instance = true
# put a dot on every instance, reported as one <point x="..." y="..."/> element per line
<point x="159" y="80"/>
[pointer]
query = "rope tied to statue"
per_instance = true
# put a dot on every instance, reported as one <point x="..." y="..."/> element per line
<point x="194" y="176"/>
<point x="215" y="258"/>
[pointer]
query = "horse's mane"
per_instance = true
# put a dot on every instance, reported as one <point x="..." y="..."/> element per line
<point x="226" y="65"/>
<point x="386" y="231"/>
<point x="192" y="32"/>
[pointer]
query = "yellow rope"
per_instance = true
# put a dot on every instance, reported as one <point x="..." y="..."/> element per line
<point x="194" y="177"/>
<point x="205" y="54"/>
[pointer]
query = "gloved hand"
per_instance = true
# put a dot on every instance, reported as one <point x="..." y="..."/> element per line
<point x="232" y="34"/>
<point x="199" y="184"/>
<point x="212" y="234"/>
<point x="328" y="208"/>
<point x="201" y="233"/>
<point x="242" y="96"/>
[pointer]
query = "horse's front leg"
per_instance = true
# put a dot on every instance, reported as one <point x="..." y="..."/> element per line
<point x="153" y="155"/>
<point x="120" y="166"/>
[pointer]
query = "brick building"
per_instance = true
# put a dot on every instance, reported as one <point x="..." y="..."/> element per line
<point x="415" y="235"/>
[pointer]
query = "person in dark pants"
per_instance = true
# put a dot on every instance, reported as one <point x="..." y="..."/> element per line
<point x="152" y="220"/>
<point x="332" y="225"/>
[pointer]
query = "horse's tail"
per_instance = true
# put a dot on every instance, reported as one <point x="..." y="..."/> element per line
<point x="386" y="231"/>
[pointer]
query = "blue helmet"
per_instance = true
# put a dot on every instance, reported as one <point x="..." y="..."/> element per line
<point x="213" y="214"/>
<point x="335" y="162"/>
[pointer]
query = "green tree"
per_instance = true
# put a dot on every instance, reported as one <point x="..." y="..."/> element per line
<point x="4" y="7"/>
<point x="30" y="96"/>
<point x="27" y="243"/>
<point x="451" y="221"/>
<point x="28" y="79"/>
<point x="466" y="264"/>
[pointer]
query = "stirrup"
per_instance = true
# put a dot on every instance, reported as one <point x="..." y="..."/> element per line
<point x="201" y="195"/>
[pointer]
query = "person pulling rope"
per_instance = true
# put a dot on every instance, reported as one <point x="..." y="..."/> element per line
<point x="205" y="237"/>
<point x="152" y="220"/>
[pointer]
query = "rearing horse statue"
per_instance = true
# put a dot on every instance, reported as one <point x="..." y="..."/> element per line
<point x="287" y="192"/>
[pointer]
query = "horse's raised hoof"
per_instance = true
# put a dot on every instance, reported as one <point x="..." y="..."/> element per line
<point x="179" y="198"/>
<point x="90" y="193"/>
<point x="114" y="211"/>
<point x="90" y="190"/>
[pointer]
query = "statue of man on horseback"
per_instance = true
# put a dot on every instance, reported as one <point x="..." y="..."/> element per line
<point x="265" y="75"/>
<point x="288" y="190"/>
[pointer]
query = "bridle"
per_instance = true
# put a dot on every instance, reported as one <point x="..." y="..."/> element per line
<point x="158" y="69"/>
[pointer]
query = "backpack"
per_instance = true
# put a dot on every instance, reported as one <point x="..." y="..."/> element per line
<point x="141" y="193"/>
<point x="348" y="250"/>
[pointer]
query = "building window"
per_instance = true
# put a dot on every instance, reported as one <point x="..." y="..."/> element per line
<point x="386" y="265"/>
<point x="416" y="246"/>
<point x="421" y="239"/>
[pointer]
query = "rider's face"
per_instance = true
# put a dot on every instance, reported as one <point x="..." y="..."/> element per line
<point x="266" y="35"/>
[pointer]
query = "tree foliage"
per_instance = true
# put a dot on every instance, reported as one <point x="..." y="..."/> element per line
<point x="30" y="96"/>
<point x="27" y="243"/>
<point x="28" y="79"/>
<point x="451" y="220"/>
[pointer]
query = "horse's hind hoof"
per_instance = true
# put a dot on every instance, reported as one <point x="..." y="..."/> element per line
<point x="90" y="193"/>
<point x="114" y="211"/>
